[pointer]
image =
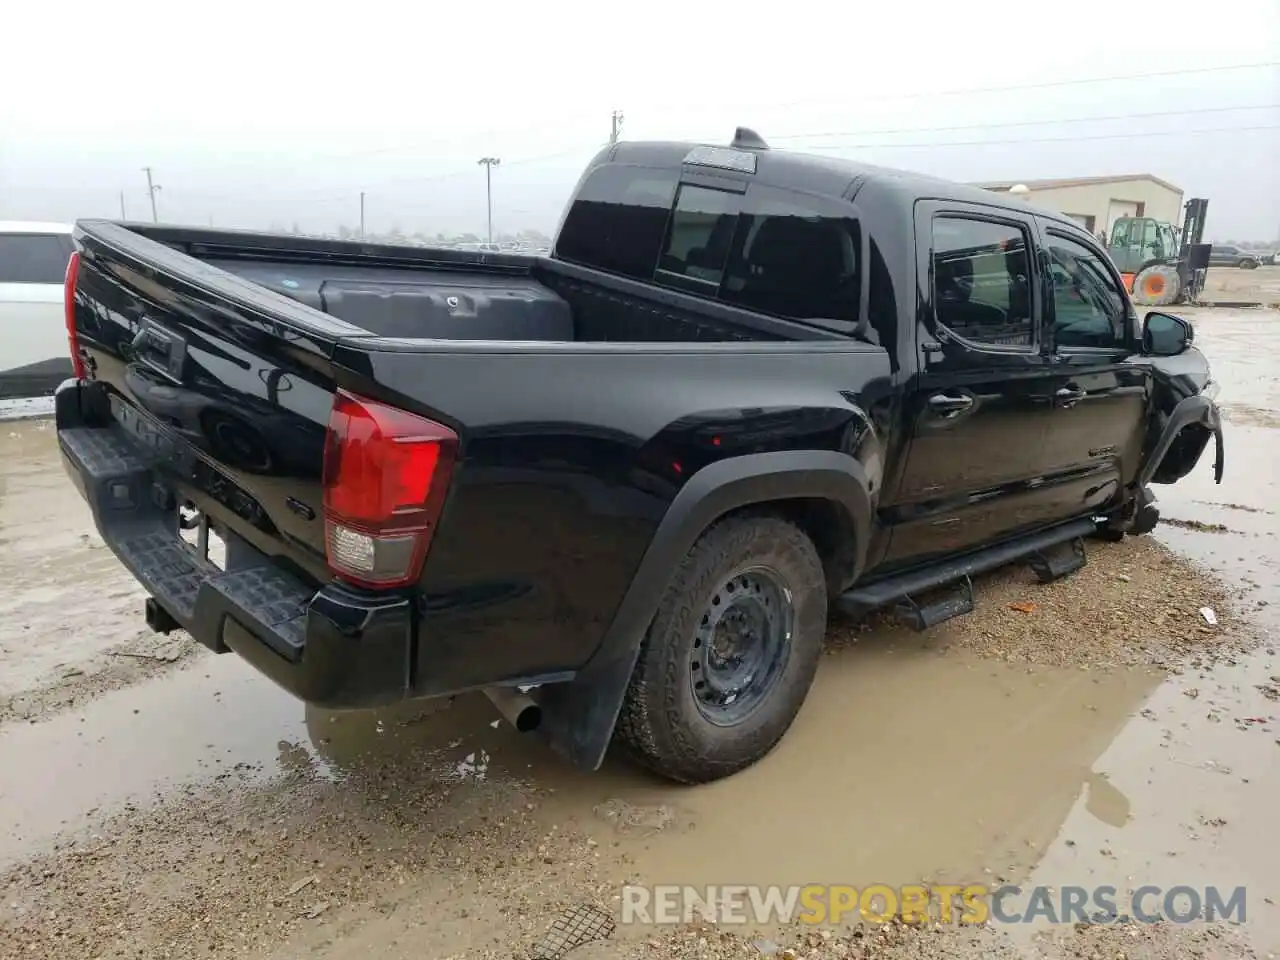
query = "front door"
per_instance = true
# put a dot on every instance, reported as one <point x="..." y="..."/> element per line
<point x="1095" y="434"/>
<point x="981" y="402"/>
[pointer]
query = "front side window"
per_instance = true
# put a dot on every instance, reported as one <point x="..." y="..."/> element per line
<point x="33" y="258"/>
<point x="1088" y="305"/>
<point x="981" y="277"/>
<point x="617" y="220"/>
<point x="795" y="257"/>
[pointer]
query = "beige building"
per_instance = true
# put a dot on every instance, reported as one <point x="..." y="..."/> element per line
<point x="1097" y="202"/>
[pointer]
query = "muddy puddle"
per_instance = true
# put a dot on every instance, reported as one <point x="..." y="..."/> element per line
<point x="1008" y="749"/>
<point x="137" y="745"/>
<point x="1196" y="773"/>
<point x="50" y="560"/>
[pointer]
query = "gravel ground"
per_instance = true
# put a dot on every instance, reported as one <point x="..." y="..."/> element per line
<point x="390" y="860"/>
<point x="351" y="844"/>
<point x="1135" y="603"/>
<point x="935" y="942"/>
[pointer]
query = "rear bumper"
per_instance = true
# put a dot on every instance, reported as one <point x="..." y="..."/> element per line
<point x="333" y="646"/>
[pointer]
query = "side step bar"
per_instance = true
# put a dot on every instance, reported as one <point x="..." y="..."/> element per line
<point x="1041" y="549"/>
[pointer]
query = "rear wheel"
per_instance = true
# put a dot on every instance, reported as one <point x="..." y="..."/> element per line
<point x="1157" y="286"/>
<point x="730" y="654"/>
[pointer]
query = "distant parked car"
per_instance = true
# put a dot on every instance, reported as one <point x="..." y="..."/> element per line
<point x="34" y="357"/>
<point x="1225" y="255"/>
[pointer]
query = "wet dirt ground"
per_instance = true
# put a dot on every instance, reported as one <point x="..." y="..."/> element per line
<point x="157" y="801"/>
<point x="1261" y="285"/>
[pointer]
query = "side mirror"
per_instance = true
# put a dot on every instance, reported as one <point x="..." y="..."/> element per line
<point x="1164" y="335"/>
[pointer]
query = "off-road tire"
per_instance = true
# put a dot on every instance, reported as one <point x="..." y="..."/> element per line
<point x="1157" y="286"/>
<point x="661" y="726"/>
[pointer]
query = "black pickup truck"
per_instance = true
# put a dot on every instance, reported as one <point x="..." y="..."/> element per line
<point x="620" y="488"/>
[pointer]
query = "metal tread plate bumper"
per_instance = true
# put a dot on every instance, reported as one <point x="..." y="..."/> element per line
<point x="332" y="646"/>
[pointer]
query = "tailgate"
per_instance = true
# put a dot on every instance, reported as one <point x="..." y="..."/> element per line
<point x="204" y="407"/>
<point x="231" y="386"/>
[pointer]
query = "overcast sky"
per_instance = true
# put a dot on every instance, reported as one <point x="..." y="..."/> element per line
<point x="271" y="112"/>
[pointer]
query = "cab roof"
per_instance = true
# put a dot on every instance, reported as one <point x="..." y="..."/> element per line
<point x="826" y="176"/>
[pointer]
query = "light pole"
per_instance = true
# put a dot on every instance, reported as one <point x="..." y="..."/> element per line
<point x="489" y="163"/>
<point x="152" y="189"/>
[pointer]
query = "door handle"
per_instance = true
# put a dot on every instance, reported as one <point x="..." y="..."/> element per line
<point x="948" y="407"/>
<point x="1068" y="397"/>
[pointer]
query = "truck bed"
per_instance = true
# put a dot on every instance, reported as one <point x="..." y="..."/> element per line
<point x="211" y="384"/>
<point x="409" y="292"/>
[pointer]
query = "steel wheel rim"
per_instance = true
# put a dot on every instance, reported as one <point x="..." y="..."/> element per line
<point x="741" y="645"/>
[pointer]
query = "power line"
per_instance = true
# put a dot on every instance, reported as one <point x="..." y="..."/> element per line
<point x="1025" y="123"/>
<point x="1044" y="84"/>
<point x="338" y="193"/>
<point x="986" y="143"/>
<point x="965" y="91"/>
<point x="493" y="132"/>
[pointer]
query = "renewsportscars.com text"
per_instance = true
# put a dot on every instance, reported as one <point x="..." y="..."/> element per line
<point x="945" y="903"/>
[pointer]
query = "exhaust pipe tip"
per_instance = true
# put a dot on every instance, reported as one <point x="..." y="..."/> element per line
<point x="518" y="709"/>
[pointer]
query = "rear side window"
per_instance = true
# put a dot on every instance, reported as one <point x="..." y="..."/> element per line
<point x="794" y="257"/>
<point x="33" y="258"/>
<point x="618" y="219"/>
<point x="981" y="276"/>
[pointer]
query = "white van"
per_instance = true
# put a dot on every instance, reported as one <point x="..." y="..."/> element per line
<point x="34" y="357"/>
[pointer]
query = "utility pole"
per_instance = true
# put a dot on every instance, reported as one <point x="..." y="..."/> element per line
<point x="361" y="214"/>
<point x="152" y="190"/>
<point x="489" y="163"/>
<point x="615" y="126"/>
<point x="123" y="215"/>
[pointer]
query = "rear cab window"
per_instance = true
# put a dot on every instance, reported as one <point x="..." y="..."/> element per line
<point x="698" y="240"/>
<point x="765" y="249"/>
<point x="618" y="220"/>
<point x="34" y="257"/>
<point x="796" y="257"/>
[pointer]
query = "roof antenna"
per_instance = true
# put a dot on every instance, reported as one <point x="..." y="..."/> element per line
<point x="744" y="138"/>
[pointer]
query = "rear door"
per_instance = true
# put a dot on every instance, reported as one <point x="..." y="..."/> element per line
<point x="33" y="342"/>
<point x="1099" y="399"/>
<point x="979" y="409"/>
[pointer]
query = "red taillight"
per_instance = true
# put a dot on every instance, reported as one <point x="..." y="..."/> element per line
<point x="386" y="473"/>
<point x="69" y="307"/>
